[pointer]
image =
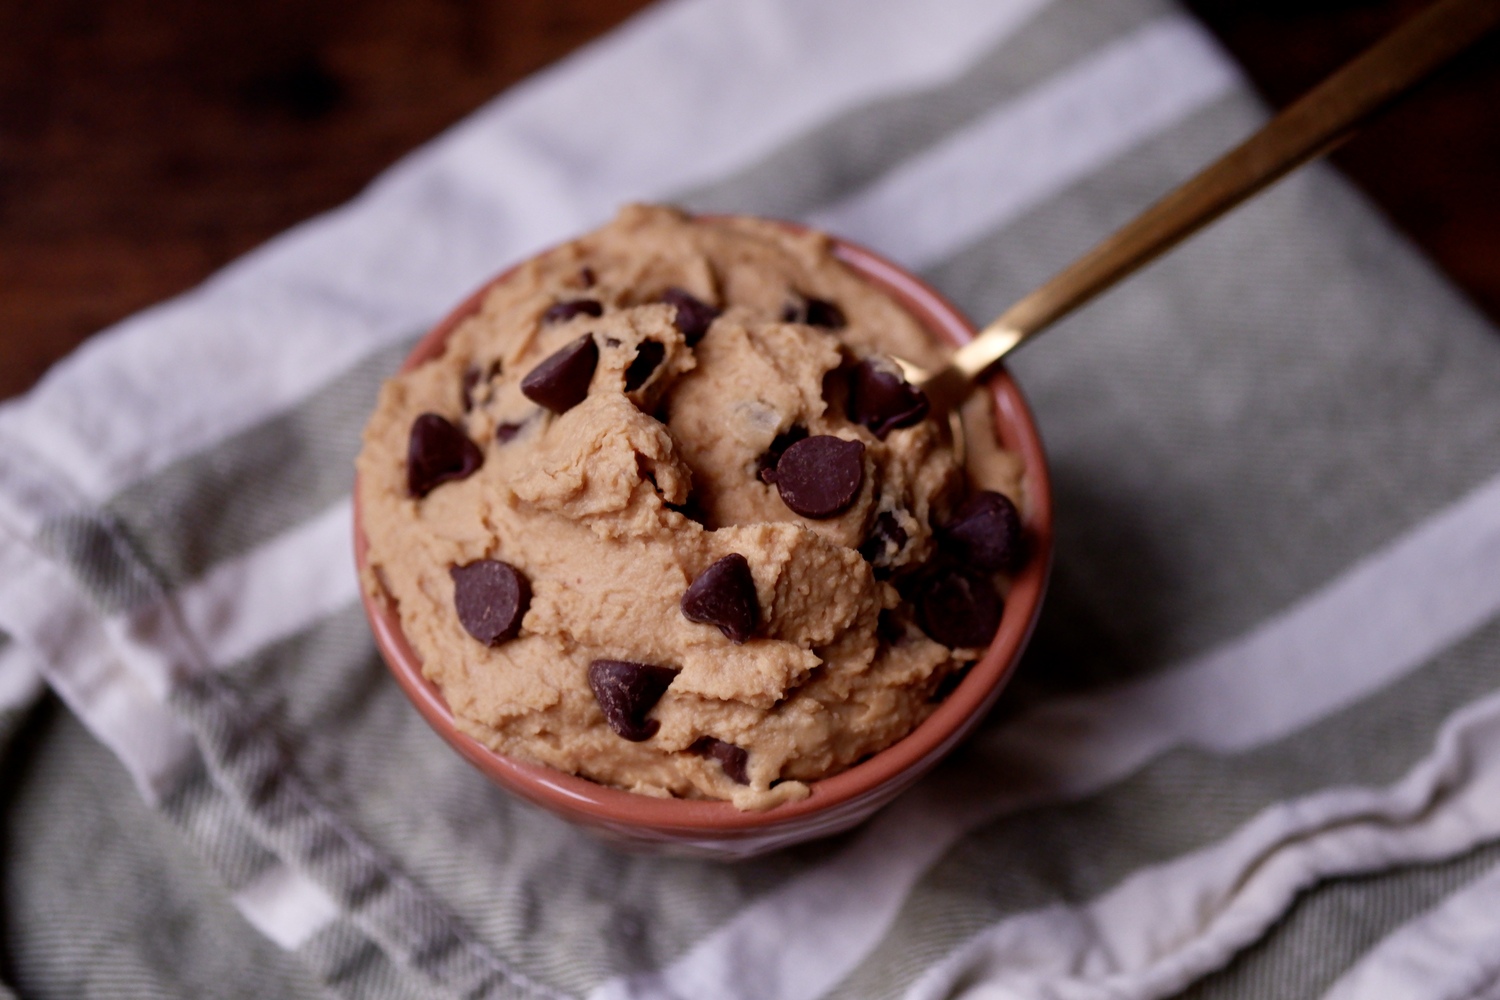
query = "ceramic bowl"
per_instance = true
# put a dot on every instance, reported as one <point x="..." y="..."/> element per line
<point x="717" y="829"/>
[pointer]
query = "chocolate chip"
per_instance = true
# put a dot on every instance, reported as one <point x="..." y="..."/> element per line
<point x="491" y="598"/>
<point x="985" y="532"/>
<point x="586" y="277"/>
<point x="437" y="452"/>
<point x="561" y="312"/>
<point x="778" y="448"/>
<point x="732" y="758"/>
<point x="724" y="595"/>
<point x="825" y="314"/>
<point x="562" y="381"/>
<point x="956" y="607"/>
<point x="820" y="476"/>
<point x="813" y="312"/>
<point x="626" y="691"/>
<point x="648" y="354"/>
<point x="884" y="534"/>
<point x="882" y="400"/>
<point x="693" y="316"/>
<point x="505" y="433"/>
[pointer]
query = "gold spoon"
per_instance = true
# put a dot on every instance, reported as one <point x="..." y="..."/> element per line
<point x="1315" y="124"/>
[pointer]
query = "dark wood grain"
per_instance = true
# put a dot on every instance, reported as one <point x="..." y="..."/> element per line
<point x="145" y="143"/>
<point x="1432" y="164"/>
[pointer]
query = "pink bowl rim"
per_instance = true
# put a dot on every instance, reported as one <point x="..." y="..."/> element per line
<point x="931" y="739"/>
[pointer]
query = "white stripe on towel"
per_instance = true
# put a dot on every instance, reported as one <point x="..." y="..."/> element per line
<point x="1451" y="952"/>
<point x="1030" y="149"/>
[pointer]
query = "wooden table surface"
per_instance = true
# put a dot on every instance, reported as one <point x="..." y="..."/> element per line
<point x="145" y="143"/>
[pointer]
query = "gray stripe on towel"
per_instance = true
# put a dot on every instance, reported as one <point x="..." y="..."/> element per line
<point x="846" y="153"/>
<point x="1243" y="420"/>
<point x="1184" y="801"/>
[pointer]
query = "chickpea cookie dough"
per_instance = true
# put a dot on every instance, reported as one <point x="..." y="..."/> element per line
<point x="665" y="515"/>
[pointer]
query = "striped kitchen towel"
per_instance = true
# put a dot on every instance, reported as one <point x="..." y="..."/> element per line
<point x="1254" y="750"/>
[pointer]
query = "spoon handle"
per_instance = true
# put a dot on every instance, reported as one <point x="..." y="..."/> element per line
<point x="1315" y="124"/>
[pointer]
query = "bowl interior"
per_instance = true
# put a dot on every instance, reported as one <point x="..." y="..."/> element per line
<point x="843" y="798"/>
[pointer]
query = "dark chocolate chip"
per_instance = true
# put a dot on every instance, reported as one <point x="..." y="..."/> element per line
<point x="562" y="381"/>
<point x="819" y="476"/>
<point x="882" y="400"/>
<point x="732" y="758"/>
<point x="561" y="312"/>
<point x="505" y="433"/>
<point x="813" y="312"/>
<point x="626" y="691"/>
<point x="956" y="607"/>
<point x="491" y="598"/>
<point x="586" y="277"/>
<point x="724" y="595"/>
<point x="825" y="314"/>
<point x="693" y="316"/>
<point x="778" y="448"/>
<point x="985" y="532"/>
<point x="648" y="354"/>
<point x="437" y="452"/>
<point x="887" y="529"/>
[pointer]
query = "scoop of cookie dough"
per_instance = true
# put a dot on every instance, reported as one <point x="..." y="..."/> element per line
<point x="664" y="515"/>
